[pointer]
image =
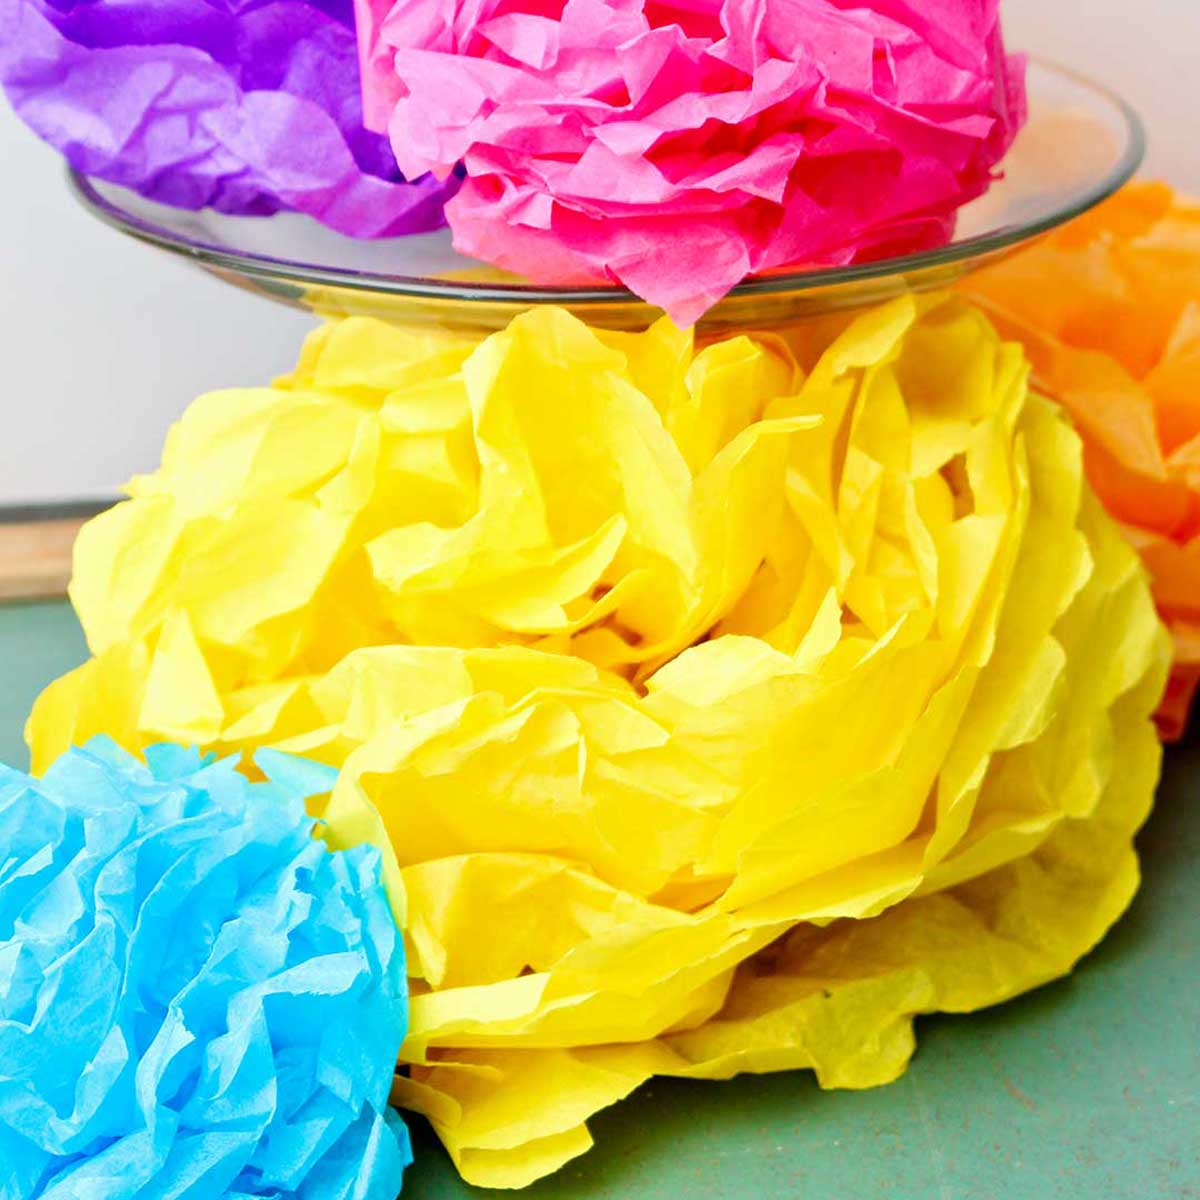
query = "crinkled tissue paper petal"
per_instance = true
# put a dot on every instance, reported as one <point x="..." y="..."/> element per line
<point x="247" y="108"/>
<point x="1108" y="309"/>
<point x="717" y="705"/>
<point x="676" y="149"/>
<point x="197" y="998"/>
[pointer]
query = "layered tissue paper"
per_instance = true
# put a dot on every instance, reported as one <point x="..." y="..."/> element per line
<point x="1109" y="312"/>
<point x="717" y="706"/>
<point x="676" y="149"/>
<point x="247" y="108"/>
<point x="197" y="998"/>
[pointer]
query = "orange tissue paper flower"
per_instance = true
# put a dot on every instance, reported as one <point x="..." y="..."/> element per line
<point x="1109" y="311"/>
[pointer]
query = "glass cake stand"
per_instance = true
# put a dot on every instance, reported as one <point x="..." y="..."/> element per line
<point x="1081" y="144"/>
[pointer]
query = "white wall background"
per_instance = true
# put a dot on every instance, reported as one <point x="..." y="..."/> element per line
<point x="102" y="341"/>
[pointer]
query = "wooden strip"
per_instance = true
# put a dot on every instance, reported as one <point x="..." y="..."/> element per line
<point x="35" y="558"/>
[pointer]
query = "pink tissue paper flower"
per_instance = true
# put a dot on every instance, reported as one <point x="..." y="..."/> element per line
<point x="676" y="146"/>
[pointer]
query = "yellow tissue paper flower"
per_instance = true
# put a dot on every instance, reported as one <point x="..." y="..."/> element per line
<point x="717" y="708"/>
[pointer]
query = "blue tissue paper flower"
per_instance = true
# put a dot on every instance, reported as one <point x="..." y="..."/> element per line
<point x="197" y="998"/>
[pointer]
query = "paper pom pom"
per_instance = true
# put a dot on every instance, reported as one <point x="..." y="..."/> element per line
<point x="1109" y="311"/>
<point x="718" y="707"/>
<point x="247" y="108"/>
<point x="676" y="149"/>
<point x="196" y="997"/>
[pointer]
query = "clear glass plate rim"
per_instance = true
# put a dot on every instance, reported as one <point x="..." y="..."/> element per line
<point x="263" y="266"/>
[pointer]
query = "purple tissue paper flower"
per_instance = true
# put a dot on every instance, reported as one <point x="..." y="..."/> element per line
<point x="246" y="106"/>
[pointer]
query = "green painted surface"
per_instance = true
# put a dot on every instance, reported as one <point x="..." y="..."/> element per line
<point x="1087" y="1089"/>
<point x="38" y="642"/>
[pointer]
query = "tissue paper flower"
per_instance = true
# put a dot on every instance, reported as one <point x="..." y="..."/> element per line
<point x="196" y="997"/>
<point x="717" y="706"/>
<point x="1109" y="311"/>
<point x="677" y="148"/>
<point x="247" y="108"/>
